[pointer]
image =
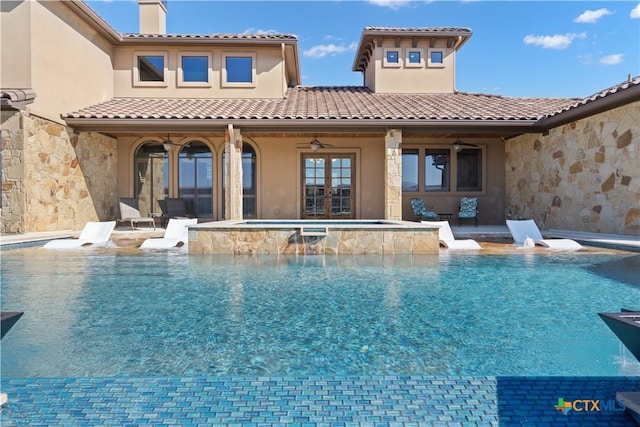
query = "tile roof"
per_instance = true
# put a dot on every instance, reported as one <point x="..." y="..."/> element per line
<point x="332" y="103"/>
<point x="628" y="84"/>
<point x="211" y="37"/>
<point x="17" y="97"/>
<point x="418" y="29"/>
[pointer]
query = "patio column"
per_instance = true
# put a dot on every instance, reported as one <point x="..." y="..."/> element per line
<point x="233" y="174"/>
<point x="393" y="175"/>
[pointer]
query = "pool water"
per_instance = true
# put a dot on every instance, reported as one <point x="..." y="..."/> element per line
<point x="126" y="313"/>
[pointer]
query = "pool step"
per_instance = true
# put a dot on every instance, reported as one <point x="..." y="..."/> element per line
<point x="313" y="231"/>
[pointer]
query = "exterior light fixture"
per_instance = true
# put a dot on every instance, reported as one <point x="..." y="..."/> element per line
<point x="168" y="144"/>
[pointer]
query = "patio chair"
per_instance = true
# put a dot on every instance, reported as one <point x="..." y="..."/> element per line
<point x="420" y="210"/>
<point x="468" y="210"/>
<point x="174" y="207"/>
<point x="521" y="230"/>
<point x="129" y="212"/>
<point x="176" y="235"/>
<point x="93" y="234"/>
<point x="448" y="240"/>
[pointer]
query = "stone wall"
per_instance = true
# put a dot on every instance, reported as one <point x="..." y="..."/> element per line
<point x="68" y="178"/>
<point x="583" y="176"/>
<point x="13" y="197"/>
<point x="220" y="239"/>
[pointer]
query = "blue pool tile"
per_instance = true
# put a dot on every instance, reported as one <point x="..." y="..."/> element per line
<point x="394" y="400"/>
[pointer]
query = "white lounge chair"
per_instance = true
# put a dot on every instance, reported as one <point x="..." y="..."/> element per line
<point x="93" y="234"/>
<point x="521" y="230"/>
<point x="448" y="240"/>
<point x="176" y="235"/>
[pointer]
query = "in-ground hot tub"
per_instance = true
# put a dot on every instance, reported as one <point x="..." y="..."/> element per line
<point x="313" y="237"/>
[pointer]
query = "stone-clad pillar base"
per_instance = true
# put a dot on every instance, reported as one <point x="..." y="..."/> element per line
<point x="233" y="174"/>
<point x="393" y="175"/>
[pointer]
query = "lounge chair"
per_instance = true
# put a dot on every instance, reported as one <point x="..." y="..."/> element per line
<point x="129" y="212"/>
<point x="521" y="230"/>
<point x="448" y="240"/>
<point x="468" y="210"/>
<point x="174" y="207"/>
<point x="176" y="235"/>
<point x="93" y="234"/>
<point x="421" y="211"/>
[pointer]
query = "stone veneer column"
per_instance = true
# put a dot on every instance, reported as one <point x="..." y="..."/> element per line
<point x="233" y="174"/>
<point x="13" y="196"/>
<point x="393" y="175"/>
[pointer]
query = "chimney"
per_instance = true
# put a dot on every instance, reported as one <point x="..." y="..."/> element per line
<point x="153" y="16"/>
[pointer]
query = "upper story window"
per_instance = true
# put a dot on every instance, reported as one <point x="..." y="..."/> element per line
<point x="436" y="58"/>
<point x="414" y="58"/>
<point x="239" y="70"/>
<point x="150" y="69"/>
<point x="391" y="57"/>
<point x="194" y="69"/>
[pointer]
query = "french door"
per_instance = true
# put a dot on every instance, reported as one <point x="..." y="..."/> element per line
<point x="328" y="186"/>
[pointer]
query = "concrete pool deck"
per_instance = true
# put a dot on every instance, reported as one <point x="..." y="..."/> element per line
<point x="126" y="237"/>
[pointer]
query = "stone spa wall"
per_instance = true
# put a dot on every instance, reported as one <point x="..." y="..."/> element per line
<point x="583" y="176"/>
<point x="53" y="178"/>
<point x="221" y="238"/>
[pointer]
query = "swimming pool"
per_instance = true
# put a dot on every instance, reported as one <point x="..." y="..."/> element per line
<point x="123" y="313"/>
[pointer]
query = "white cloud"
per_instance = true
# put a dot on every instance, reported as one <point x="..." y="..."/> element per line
<point x="592" y="16"/>
<point x="320" y="51"/>
<point x="258" y="31"/>
<point x="557" y="41"/>
<point x="392" y="4"/>
<point x="635" y="12"/>
<point x="612" y="59"/>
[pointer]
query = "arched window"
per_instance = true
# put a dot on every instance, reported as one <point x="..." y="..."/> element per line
<point x="151" y="176"/>
<point x="249" y="181"/>
<point x="195" y="179"/>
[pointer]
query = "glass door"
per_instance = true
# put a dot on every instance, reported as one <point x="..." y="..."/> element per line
<point x="328" y="189"/>
<point x="195" y="184"/>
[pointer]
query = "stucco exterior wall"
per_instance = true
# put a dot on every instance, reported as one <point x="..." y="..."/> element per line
<point x="269" y="73"/>
<point x="54" y="179"/>
<point x="410" y="79"/>
<point x="15" y="44"/>
<point x="583" y="176"/>
<point x="70" y="62"/>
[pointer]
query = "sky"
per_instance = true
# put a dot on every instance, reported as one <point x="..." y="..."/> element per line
<point x="518" y="48"/>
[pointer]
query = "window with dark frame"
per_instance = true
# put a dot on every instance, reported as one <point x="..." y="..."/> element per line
<point x="436" y="57"/>
<point x="239" y="69"/>
<point x="392" y="57"/>
<point x="437" y="167"/>
<point x="469" y="170"/>
<point x="414" y="57"/>
<point x="410" y="170"/>
<point x="195" y="69"/>
<point x="151" y="68"/>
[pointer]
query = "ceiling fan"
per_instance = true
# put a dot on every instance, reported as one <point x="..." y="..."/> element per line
<point x="315" y="144"/>
<point x="458" y="144"/>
